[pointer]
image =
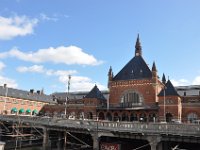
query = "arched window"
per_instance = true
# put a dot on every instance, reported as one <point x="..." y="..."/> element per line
<point x="169" y="117"/>
<point x="101" y="116"/>
<point x="152" y="117"/>
<point x="142" y="117"/>
<point x="109" y="116"/>
<point x="89" y="115"/>
<point x="191" y="117"/>
<point x="134" y="117"/>
<point x="116" y="117"/>
<point x="130" y="99"/>
<point x="125" y="117"/>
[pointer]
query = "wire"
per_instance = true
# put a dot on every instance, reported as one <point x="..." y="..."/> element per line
<point x="143" y="146"/>
<point x="78" y="139"/>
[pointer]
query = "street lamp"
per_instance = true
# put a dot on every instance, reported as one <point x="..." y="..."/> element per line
<point x="164" y="104"/>
<point x="97" y="133"/>
<point x="5" y="100"/>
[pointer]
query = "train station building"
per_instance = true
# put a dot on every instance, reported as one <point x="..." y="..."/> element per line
<point x="135" y="93"/>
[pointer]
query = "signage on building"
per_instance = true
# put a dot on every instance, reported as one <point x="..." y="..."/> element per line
<point x="109" y="146"/>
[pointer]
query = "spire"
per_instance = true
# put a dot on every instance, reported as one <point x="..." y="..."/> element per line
<point x="154" y="67"/>
<point x="154" y="72"/>
<point x="110" y="74"/>
<point x="163" y="79"/>
<point x="138" y="48"/>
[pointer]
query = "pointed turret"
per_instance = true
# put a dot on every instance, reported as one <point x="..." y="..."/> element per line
<point x="138" y="48"/>
<point x="163" y="79"/>
<point x="154" y="70"/>
<point x="154" y="67"/>
<point x="110" y="76"/>
<point x="154" y="73"/>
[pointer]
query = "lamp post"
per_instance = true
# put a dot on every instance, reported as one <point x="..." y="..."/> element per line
<point x="164" y="116"/>
<point x="97" y="133"/>
<point x="67" y="97"/>
<point x="5" y="100"/>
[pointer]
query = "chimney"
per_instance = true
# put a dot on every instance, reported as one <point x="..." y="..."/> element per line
<point x="5" y="85"/>
<point x="31" y="91"/>
<point x="38" y="92"/>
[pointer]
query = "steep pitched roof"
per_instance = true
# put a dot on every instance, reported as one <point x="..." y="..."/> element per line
<point x="95" y="93"/>
<point x="169" y="90"/>
<point x="136" y="68"/>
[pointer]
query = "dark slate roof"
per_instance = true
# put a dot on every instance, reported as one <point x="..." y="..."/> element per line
<point x="136" y="68"/>
<point x="95" y="93"/>
<point x="16" y="93"/>
<point x="169" y="90"/>
<point x="61" y="96"/>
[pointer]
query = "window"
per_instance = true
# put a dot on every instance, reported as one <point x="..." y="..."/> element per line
<point x="133" y="117"/>
<point x="130" y="99"/>
<point x="191" y="117"/>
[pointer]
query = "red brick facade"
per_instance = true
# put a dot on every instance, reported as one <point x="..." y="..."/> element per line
<point x="135" y="94"/>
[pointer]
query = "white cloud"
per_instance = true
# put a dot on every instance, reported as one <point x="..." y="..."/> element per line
<point x="10" y="82"/>
<point x="16" y="26"/>
<point x="61" y="72"/>
<point x="3" y="55"/>
<point x="47" y="18"/>
<point x="80" y="83"/>
<point x="67" y="55"/>
<point x="196" y="81"/>
<point x="2" y="66"/>
<point x="41" y="69"/>
<point x="180" y="82"/>
<point x="184" y="82"/>
<point x="34" y="68"/>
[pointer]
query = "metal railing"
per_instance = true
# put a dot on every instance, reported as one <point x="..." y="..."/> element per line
<point x="108" y="126"/>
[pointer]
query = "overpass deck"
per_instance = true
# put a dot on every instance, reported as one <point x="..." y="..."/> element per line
<point x="107" y="126"/>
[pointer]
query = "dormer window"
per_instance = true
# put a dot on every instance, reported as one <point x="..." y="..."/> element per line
<point x="132" y="71"/>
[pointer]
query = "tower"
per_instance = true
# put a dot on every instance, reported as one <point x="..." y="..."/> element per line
<point x="110" y="76"/>
<point x="138" y="47"/>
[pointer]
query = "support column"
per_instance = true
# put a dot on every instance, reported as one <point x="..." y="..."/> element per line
<point x="159" y="146"/>
<point x="45" y="139"/>
<point x="154" y="142"/>
<point x="65" y="141"/>
<point x="95" y="142"/>
<point x="30" y="139"/>
<point x="59" y="141"/>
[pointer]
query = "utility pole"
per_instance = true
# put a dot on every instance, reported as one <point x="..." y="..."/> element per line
<point x="67" y="97"/>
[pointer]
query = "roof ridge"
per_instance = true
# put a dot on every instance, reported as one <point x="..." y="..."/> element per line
<point x="136" y="68"/>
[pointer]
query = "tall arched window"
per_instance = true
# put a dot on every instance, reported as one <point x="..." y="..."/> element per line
<point x="130" y="99"/>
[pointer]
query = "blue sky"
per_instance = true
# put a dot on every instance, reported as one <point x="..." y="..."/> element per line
<point x="42" y="42"/>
